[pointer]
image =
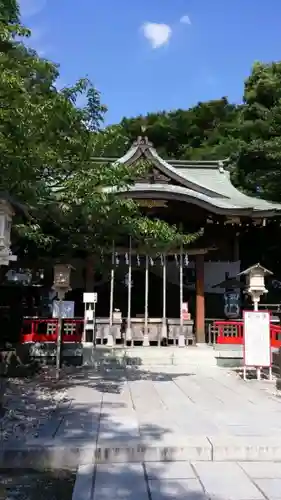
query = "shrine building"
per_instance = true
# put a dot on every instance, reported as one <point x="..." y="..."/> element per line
<point x="167" y="297"/>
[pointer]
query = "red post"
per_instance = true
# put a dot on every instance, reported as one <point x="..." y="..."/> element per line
<point x="200" y="300"/>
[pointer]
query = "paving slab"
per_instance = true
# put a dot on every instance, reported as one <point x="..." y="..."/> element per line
<point x="169" y="470"/>
<point x="176" y="489"/>
<point x="271" y="488"/>
<point x="226" y="481"/>
<point x="120" y="482"/>
<point x="83" y="488"/>
<point x="262" y="470"/>
<point x="119" y="427"/>
<point x="176" y="481"/>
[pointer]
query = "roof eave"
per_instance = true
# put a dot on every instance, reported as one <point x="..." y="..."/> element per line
<point x="162" y="192"/>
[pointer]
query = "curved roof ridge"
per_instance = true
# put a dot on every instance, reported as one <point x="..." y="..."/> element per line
<point x="197" y="178"/>
<point x="142" y="147"/>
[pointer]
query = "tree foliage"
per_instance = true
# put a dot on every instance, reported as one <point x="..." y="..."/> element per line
<point x="48" y="146"/>
<point x="248" y="133"/>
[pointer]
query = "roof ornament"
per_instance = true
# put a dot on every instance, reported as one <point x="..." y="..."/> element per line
<point x="143" y="142"/>
<point x="221" y="166"/>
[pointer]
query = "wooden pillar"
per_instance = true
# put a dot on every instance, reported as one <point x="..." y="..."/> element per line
<point x="200" y="300"/>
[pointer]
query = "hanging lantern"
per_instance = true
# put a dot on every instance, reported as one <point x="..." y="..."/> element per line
<point x="186" y="260"/>
<point x="117" y="259"/>
<point x="138" y="260"/>
<point x="127" y="258"/>
<point x="151" y="261"/>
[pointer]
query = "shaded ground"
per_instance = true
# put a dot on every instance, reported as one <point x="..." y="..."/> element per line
<point x="137" y="403"/>
<point x="33" y="485"/>
<point x="26" y="402"/>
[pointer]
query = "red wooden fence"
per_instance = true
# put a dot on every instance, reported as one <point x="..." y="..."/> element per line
<point x="46" y="330"/>
<point x="231" y="333"/>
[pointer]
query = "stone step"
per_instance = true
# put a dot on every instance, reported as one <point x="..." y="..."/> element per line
<point x="70" y="453"/>
<point x="154" y="356"/>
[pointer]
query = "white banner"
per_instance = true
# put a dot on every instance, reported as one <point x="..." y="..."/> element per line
<point x="257" y="350"/>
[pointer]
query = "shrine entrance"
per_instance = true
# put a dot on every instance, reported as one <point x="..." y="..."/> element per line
<point x="148" y="300"/>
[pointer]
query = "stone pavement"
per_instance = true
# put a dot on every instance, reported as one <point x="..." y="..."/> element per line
<point x="179" y="481"/>
<point x="159" y="433"/>
<point x="155" y="414"/>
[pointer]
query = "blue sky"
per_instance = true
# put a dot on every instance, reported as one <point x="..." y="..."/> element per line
<point x="153" y="55"/>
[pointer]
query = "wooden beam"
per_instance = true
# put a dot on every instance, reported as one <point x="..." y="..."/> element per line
<point x="189" y="251"/>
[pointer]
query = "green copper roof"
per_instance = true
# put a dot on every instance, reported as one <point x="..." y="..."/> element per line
<point x="203" y="183"/>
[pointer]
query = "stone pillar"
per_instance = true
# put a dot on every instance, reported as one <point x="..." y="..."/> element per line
<point x="200" y="300"/>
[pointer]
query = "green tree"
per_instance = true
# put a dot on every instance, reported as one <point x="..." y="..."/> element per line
<point x="47" y="150"/>
<point x="258" y="165"/>
<point x="204" y="131"/>
<point x="9" y="11"/>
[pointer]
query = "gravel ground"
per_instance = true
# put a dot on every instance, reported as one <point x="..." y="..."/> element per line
<point x="33" y="485"/>
<point x="28" y="403"/>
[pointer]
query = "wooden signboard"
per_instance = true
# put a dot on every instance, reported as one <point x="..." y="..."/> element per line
<point x="257" y="350"/>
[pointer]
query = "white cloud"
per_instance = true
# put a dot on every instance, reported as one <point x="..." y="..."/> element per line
<point x="185" y="19"/>
<point x="29" y="8"/>
<point x="157" y="34"/>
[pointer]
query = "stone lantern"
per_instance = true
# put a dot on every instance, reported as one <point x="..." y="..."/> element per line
<point x="6" y="215"/>
<point x="255" y="282"/>
<point x="61" y="286"/>
<point x="62" y="279"/>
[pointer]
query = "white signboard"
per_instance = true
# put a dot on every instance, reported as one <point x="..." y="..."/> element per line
<point x="90" y="297"/>
<point x="67" y="309"/>
<point x="257" y="351"/>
